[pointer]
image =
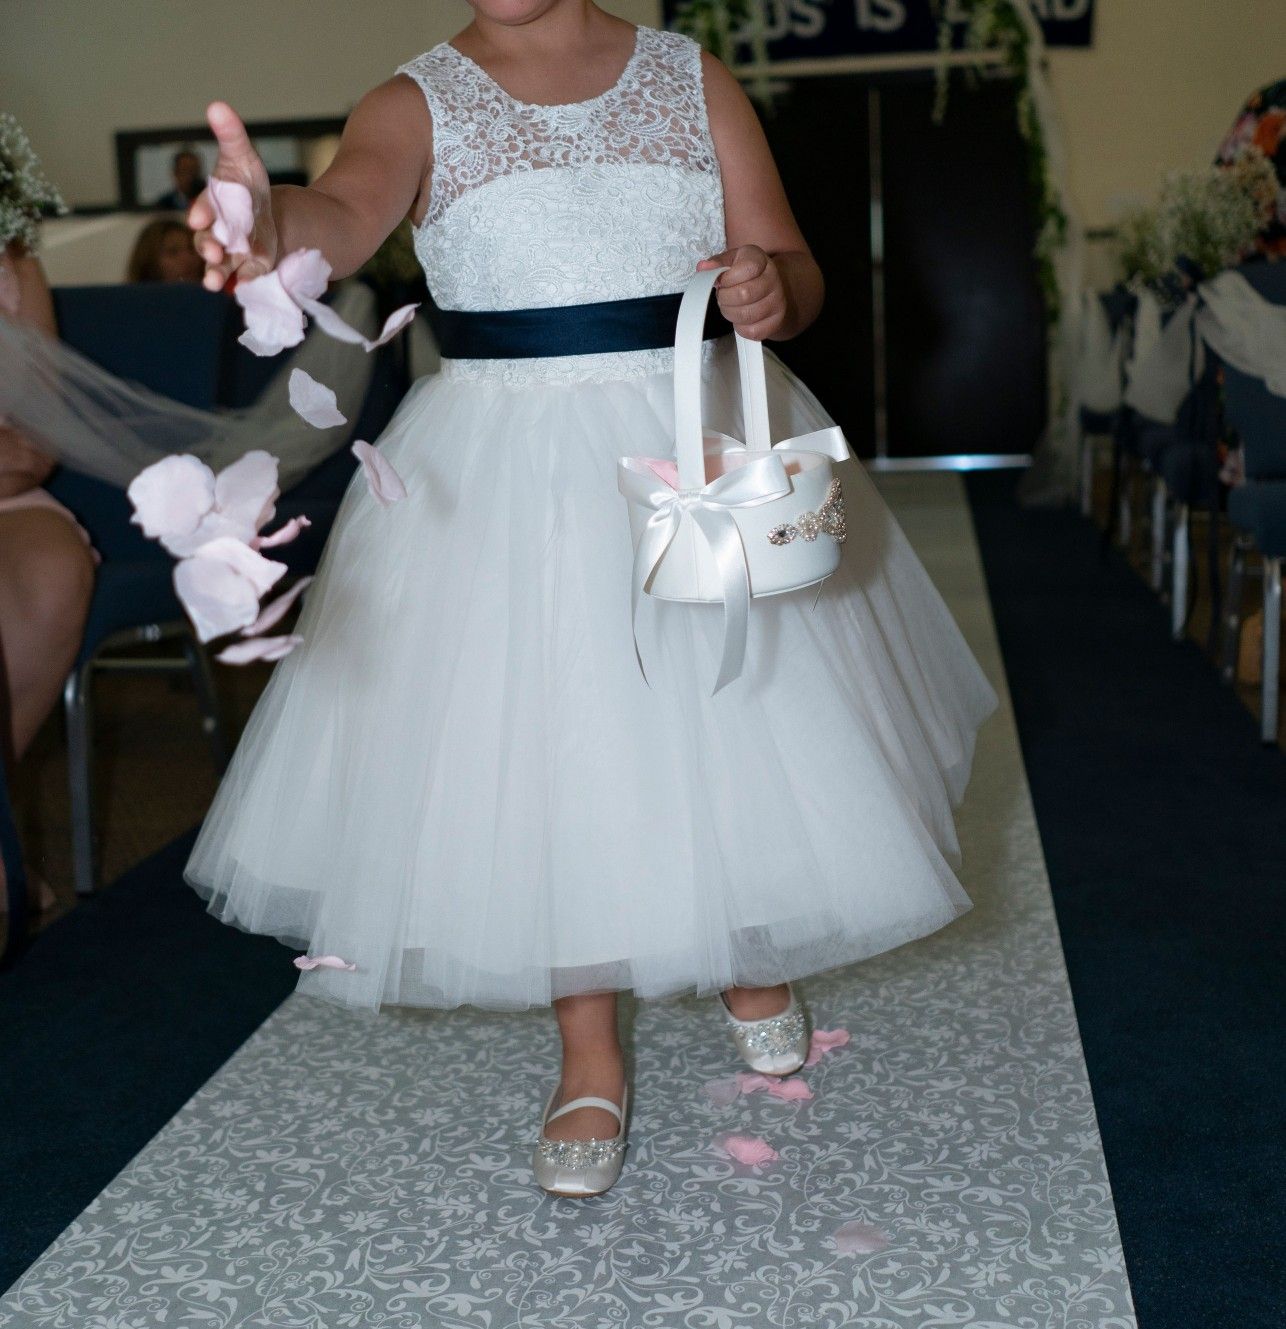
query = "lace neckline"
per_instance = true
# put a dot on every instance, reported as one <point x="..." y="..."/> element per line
<point x="621" y="80"/>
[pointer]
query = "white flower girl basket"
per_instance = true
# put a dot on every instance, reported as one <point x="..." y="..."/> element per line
<point x="733" y="520"/>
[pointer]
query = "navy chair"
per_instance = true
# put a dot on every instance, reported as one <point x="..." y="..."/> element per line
<point x="1257" y="509"/>
<point x="180" y="341"/>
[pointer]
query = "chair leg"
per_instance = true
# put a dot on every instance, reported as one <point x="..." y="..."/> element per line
<point x="1124" y="520"/>
<point x="207" y="700"/>
<point x="80" y="776"/>
<point x="1158" y="533"/>
<point x="1232" y="619"/>
<point x="1272" y="646"/>
<point x="1179" y="582"/>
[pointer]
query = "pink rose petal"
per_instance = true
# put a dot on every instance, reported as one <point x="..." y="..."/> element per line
<point x="217" y="598"/>
<point x="860" y="1239"/>
<point x="314" y="402"/>
<point x="245" y="493"/>
<point x="722" y="1093"/>
<point x="304" y="275"/>
<point x="234" y="215"/>
<point x="322" y="962"/>
<point x="273" y="320"/>
<point x="331" y="323"/>
<point x="383" y="481"/>
<point x="396" y="321"/>
<point x="751" y="1082"/>
<point x="748" y="1149"/>
<point x="272" y="614"/>
<point x="172" y="496"/>
<point x="283" y="535"/>
<point x="258" y="648"/>
<point x="823" y="1041"/>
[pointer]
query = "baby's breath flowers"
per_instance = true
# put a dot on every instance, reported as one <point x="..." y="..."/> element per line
<point x="25" y="194"/>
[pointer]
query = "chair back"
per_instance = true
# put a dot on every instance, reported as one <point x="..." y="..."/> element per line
<point x="1259" y="416"/>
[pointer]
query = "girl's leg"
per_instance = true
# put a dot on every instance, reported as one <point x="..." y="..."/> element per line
<point x="757" y="1003"/>
<point x="592" y="1064"/>
<point x="46" y="577"/>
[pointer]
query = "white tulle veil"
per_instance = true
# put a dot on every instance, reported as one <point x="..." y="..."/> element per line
<point x="94" y="422"/>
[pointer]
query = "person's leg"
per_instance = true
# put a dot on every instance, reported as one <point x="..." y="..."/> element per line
<point x="757" y="1003"/>
<point x="593" y="1063"/>
<point x="46" y="578"/>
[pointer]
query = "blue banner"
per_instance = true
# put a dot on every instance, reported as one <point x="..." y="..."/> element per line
<point x="809" y="29"/>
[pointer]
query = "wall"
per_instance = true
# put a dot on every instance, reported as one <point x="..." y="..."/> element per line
<point x="1161" y="84"/>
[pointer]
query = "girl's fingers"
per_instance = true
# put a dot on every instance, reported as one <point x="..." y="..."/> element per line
<point x="743" y="316"/>
<point x="235" y="148"/>
<point x="748" y="292"/>
<point x="201" y="213"/>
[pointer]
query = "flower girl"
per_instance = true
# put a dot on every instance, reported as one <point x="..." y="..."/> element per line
<point x="460" y="784"/>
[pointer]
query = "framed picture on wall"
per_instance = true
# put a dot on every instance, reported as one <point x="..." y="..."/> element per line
<point x="165" y="168"/>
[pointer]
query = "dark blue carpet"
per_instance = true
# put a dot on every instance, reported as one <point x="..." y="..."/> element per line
<point x="115" y="1016"/>
<point x="1164" y="826"/>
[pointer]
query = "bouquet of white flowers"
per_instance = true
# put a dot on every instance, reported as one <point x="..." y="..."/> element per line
<point x="25" y="194"/>
<point x="1204" y="222"/>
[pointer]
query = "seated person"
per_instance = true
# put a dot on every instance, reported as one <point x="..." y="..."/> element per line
<point x="189" y="181"/>
<point x="163" y="253"/>
<point x="46" y="563"/>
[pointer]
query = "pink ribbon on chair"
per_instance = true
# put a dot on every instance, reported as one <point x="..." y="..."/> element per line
<point x="711" y="508"/>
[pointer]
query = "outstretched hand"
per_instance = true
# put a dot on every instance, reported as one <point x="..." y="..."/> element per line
<point x="751" y="294"/>
<point x="239" y="162"/>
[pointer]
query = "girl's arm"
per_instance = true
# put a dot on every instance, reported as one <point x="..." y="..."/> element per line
<point x="22" y="466"/>
<point x="374" y="181"/>
<point x="773" y="287"/>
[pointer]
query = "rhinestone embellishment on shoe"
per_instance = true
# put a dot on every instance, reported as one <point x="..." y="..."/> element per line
<point x="828" y="519"/>
<point x="579" y="1153"/>
<point x="776" y="1036"/>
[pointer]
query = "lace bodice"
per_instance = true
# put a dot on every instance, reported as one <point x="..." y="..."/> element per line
<point x="533" y="205"/>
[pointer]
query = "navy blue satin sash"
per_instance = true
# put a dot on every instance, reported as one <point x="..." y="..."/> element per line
<point x="643" y="324"/>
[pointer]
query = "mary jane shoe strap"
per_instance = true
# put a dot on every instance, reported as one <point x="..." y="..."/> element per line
<point x="588" y="1101"/>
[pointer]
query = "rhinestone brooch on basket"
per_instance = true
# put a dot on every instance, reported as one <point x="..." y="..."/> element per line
<point x="828" y="519"/>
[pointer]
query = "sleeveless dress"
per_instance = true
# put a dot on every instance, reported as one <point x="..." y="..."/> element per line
<point x="460" y="783"/>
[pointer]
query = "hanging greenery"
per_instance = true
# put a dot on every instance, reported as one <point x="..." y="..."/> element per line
<point x="1000" y="26"/>
<point x="713" y="23"/>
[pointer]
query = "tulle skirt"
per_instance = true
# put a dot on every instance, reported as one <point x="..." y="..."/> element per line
<point x="461" y="784"/>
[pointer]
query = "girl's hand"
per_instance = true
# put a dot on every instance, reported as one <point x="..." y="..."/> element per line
<point x="751" y="293"/>
<point x="238" y="161"/>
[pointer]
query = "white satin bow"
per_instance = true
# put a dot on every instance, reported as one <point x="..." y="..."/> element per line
<point x="710" y="507"/>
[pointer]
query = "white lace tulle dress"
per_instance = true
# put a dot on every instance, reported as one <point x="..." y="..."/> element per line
<point x="460" y="783"/>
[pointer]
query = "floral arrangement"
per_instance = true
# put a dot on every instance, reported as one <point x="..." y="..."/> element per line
<point x="1203" y="222"/>
<point x="25" y="194"/>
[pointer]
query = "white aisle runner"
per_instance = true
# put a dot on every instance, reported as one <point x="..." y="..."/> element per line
<point x="341" y="1172"/>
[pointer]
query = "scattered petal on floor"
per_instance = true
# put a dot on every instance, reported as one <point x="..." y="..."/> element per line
<point x="824" y="1041"/>
<point x="258" y="648"/>
<point x="384" y="482"/>
<point x="747" y="1149"/>
<point x="234" y="215"/>
<point x="323" y="962"/>
<point x="860" y="1239"/>
<point x="314" y="402"/>
<point x="791" y="1089"/>
<point x="722" y="1092"/>
<point x="273" y="613"/>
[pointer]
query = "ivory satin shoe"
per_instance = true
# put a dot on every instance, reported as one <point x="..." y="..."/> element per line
<point x="580" y="1167"/>
<point x="775" y="1045"/>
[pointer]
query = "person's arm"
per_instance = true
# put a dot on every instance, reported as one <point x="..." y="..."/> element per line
<point x="23" y="466"/>
<point x="374" y="181"/>
<point x="773" y="288"/>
